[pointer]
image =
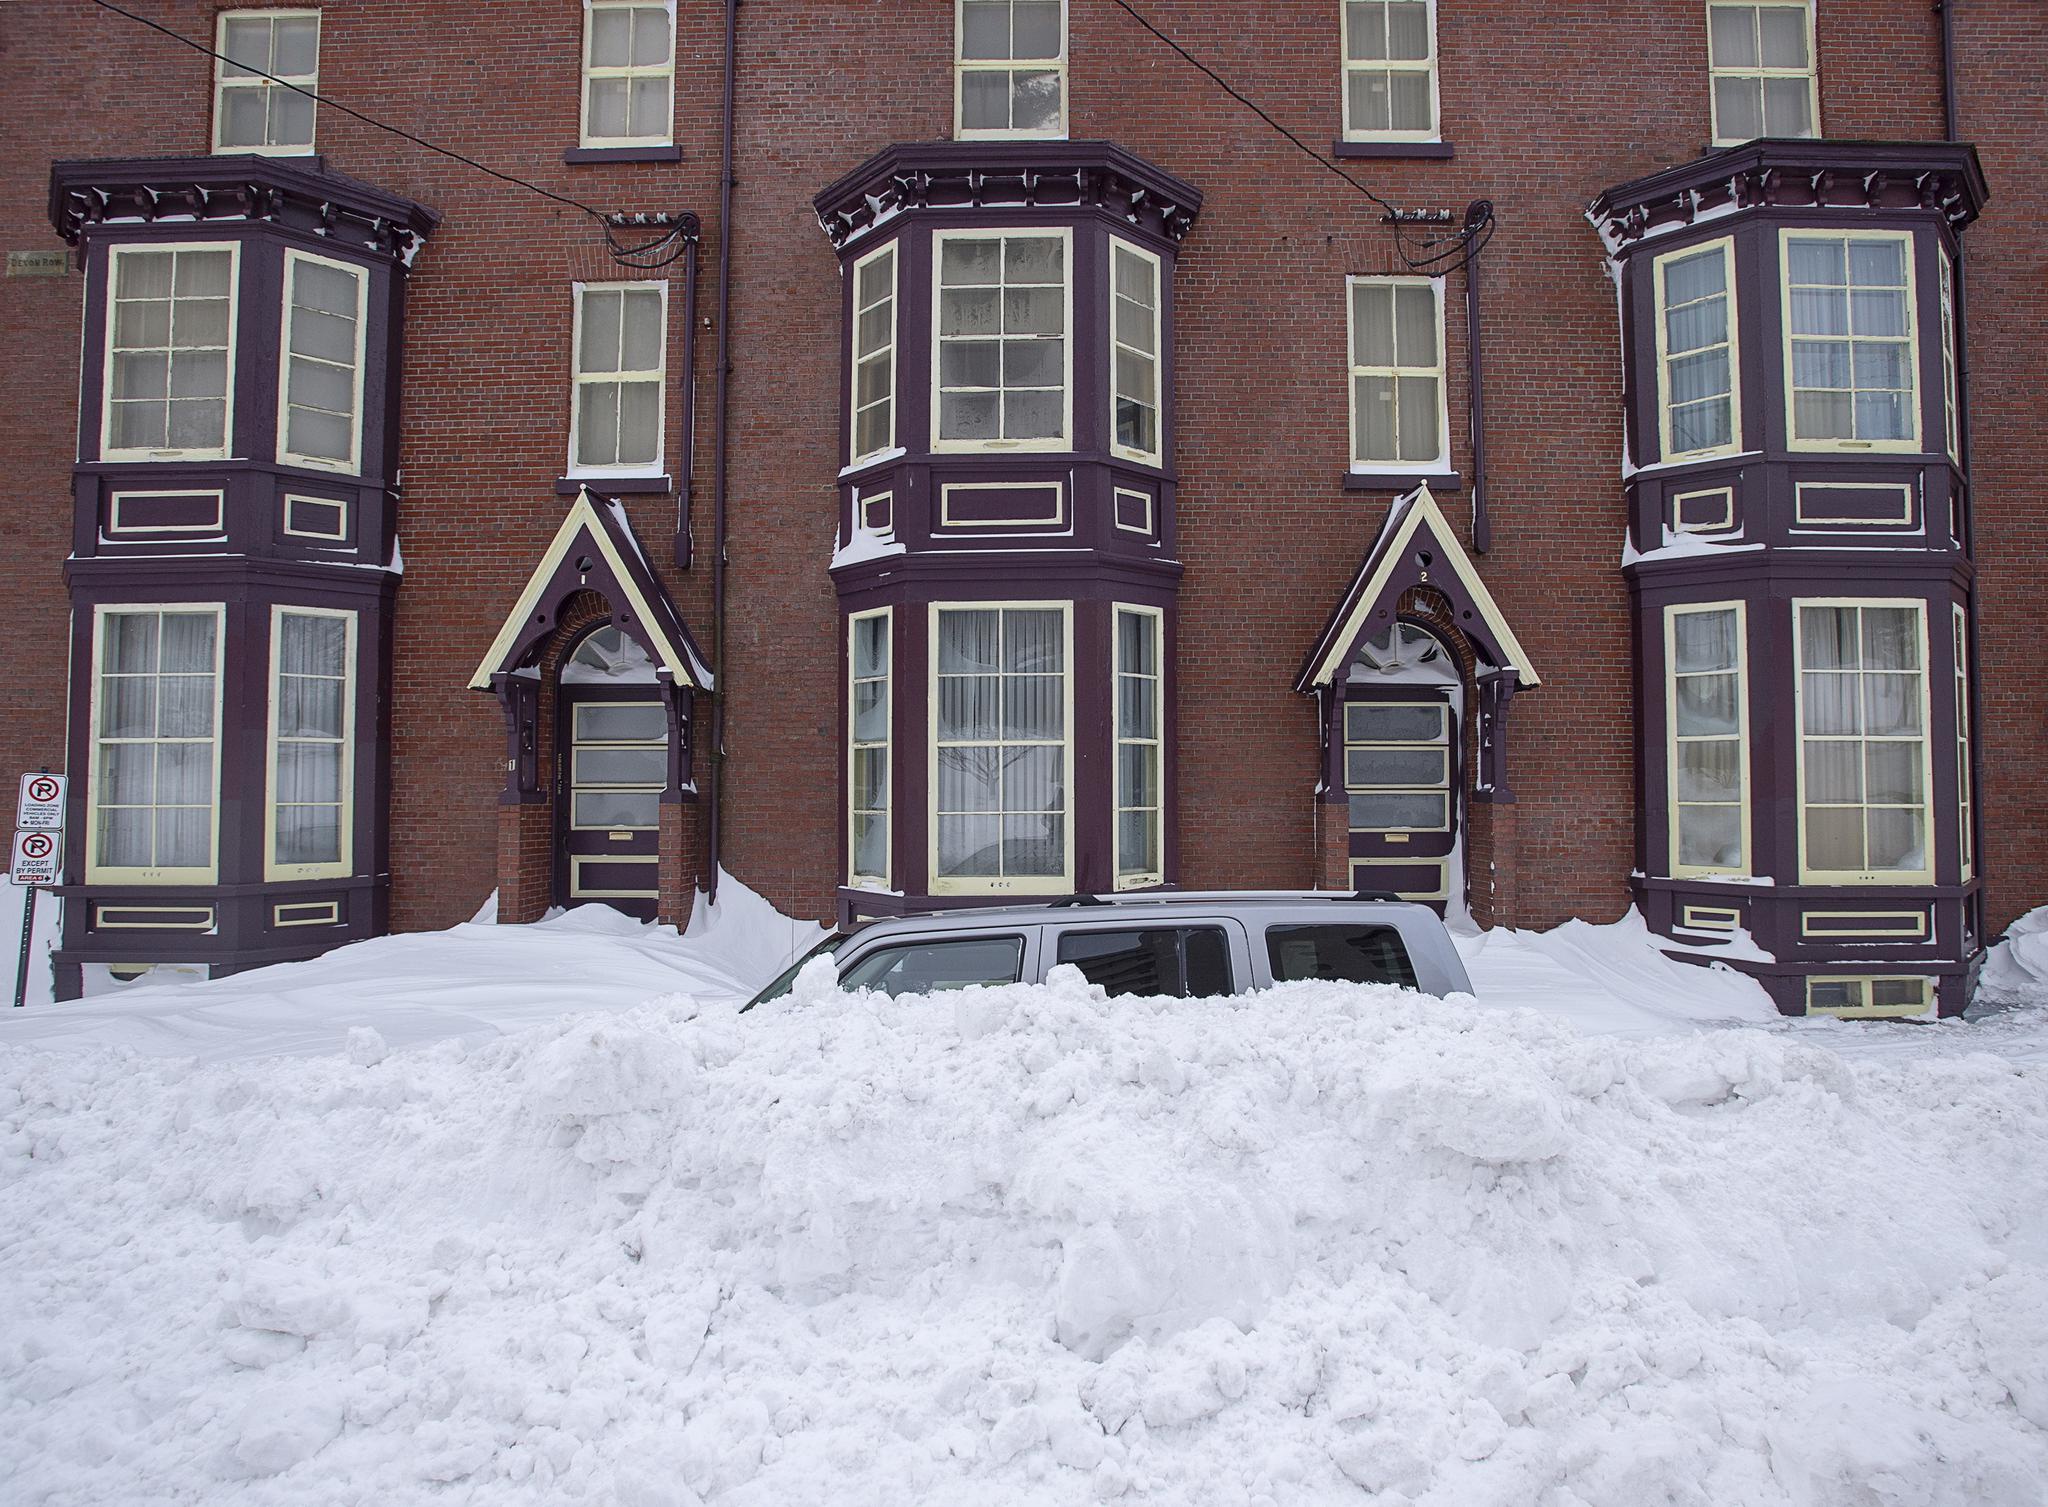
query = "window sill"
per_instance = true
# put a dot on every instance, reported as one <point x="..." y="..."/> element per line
<point x="613" y="486"/>
<point x="1433" y="150"/>
<point x="1402" y="481"/>
<point x="624" y="154"/>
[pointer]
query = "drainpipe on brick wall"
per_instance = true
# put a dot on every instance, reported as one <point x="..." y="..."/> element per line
<point x="716" y="770"/>
<point x="1946" y="10"/>
<point x="1482" y="525"/>
<point x="686" y="447"/>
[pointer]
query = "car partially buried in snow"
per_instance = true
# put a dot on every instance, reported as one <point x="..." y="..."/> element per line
<point x="1190" y="945"/>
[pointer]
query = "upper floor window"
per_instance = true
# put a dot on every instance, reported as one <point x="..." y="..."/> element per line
<point x="1390" y="70"/>
<point x="1010" y="68"/>
<point x="1003" y="371"/>
<point x="1134" y="353"/>
<point x="1864" y="757"/>
<point x="1849" y="340"/>
<point x="170" y="352"/>
<point x="621" y="363"/>
<point x="154" y="812"/>
<point x="1950" y="399"/>
<point x="321" y="400"/>
<point x="874" y="353"/>
<point x="1696" y="362"/>
<point x="252" y="113"/>
<point x="1398" y="417"/>
<point x="1760" y="59"/>
<point x="629" y="72"/>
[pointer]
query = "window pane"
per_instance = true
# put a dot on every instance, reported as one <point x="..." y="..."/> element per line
<point x="1354" y="954"/>
<point x="621" y="766"/>
<point x="1368" y="97"/>
<point x="1710" y="836"/>
<point x="1366" y="722"/>
<point x="1416" y="407"/>
<point x="1731" y="36"/>
<point x="1365" y="29"/>
<point x="1710" y="771"/>
<point x="650" y="36"/>
<point x="1704" y="641"/>
<point x="297" y="43"/>
<point x="1834" y="773"/>
<point x="1408" y="30"/>
<point x="1738" y="108"/>
<point x="1035" y="29"/>
<point x="640" y="318"/>
<point x="617" y="808"/>
<point x="1412" y="812"/>
<point x="639" y="423"/>
<point x="1891" y="638"/>
<point x="610" y="37"/>
<point x="1137" y="843"/>
<point x="597" y="424"/>
<point x="621" y="722"/>
<point x="985" y="101"/>
<point x="1786" y="107"/>
<point x="599" y="350"/>
<point x="1897" y="839"/>
<point x="1408" y="105"/>
<point x="1372" y="324"/>
<point x="985" y="29"/>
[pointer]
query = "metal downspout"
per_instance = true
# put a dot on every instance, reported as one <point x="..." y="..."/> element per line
<point x="718" y="464"/>
<point x="687" y="448"/>
<point x="1482" y="525"/>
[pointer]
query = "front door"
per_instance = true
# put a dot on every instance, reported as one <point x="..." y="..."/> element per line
<point x="1401" y="774"/>
<point x="614" y="764"/>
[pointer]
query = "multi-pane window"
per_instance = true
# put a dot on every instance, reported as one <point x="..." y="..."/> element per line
<point x="1140" y="781"/>
<point x="1760" y="61"/>
<point x="621" y="341"/>
<point x="1849" y="327"/>
<point x="1696" y="350"/>
<point x="1010" y="68"/>
<point x="1000" y="749"/>
<point x="1134" y="347"/>
<point x="1003" y="364"/>
<point x="310" y="731"/>
<point x="1950" y="394"/>
<point x="867" y="772"/>
<point x="323" y="362"/>
<point x="1390" y="70"/>
<point x="618" y="765"/>
<point x="170" y="352"/>
<point x="874" y="353"/>
<point x="1965" y="793"/>
<point x="628" y="74"/>
<point x="1863" y="740"/>
<point x="1398" y="419"/>
<point x="1397" y="766"/>
<point x="1709" y="739"/>
<point x="263" y="53"/>
<point x="155" y="785"/>
<point x="1909" y="995"/>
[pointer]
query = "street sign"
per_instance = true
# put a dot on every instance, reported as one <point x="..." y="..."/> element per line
<point x="36" y="858"/>
<point x="41" y="807"/>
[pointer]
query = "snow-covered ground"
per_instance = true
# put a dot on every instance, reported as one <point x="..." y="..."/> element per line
<point x="533" y="1215"/>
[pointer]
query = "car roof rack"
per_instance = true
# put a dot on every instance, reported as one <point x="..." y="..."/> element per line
<point x="1173" y="897"/>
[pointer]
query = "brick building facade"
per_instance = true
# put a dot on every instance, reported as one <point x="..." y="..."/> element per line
<point x="1159" y="528"/>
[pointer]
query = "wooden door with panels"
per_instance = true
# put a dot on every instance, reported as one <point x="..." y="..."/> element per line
<point x="612" y="765"/>
<point x="1402" y="777"/>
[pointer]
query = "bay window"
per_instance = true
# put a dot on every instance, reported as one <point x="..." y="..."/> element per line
<point x="1134" y="353"/>
<point x="312" y="726"/>
<point x="1398" y="415"/>
<point x="321" y="395"/>
<point x="1707" y="700"/>
<point x="255" y="113"/>
<point x="1390" y="91"/>
<point x="1003" y="367"/>
<point x="1849" y="358"/>
<point x="1760" y="62"/>
<point x="1863" y="768"/>
<point x="621" y="341"/>
<point x="1697" y="365"/>
<point x="874" y="353"/>
<point x="1965" y="795"/>
<point x="170" y="353"/>
<point x="1010" y="68"/>
<point x="867" y="775"/>
<point x="1139" y="715"/>
<point x="628" y="74"/>
<point x="154" y="809"/>
<point x="1950" y="398"/>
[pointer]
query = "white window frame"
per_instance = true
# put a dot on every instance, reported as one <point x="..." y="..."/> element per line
<point x="1807" y="873"/>
<point x="222" y="85"/>
<point x="1911" y="443"/>
<point x="1024" y="884"/>
<point x="1347" y="67"/>
<point x="628" y="71"/>
<point x="353" y="465"/>
<point x="1810" y="73"/>
<point x="1866" y="1010"/>
<point x="579" y="744"/>
<point x="1120" y="739"/>
<point x="95" y="871"/>
<point x="962" y="66"/>
<point x="1064" y="440"/>
<point x="344" y="863"/>
<point x="1726" y="246"/>
<point x="862" y="356"/>
<point x="226" y="448"/>
<point x="1353" y="371"/>
<point x="1155" y="358"/>
<point x="1966" y="794"/>
<point x="1672" y="740"/>
<point x="1447" y="746"/>
<point x="854" y="744"/>
<point x="578" y="377"/>
<point x="1951" y="393"/>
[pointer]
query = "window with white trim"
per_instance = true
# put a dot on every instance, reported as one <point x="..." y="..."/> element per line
<point x="1010" y="68"/>
<point x="321" y="397"/>
<point x="1697" y="370"/>
<point x="312" y="726"/>
<point x="1705" y="687"/>
<point x="874" y="353"/>
<point x="1951" y="411"/>
<point x="1134" y="353"/>
<point x="867" y="772"/>
<point x="1140" y="714"/>
<point x="1850" y="360"/>
<point x="1397" y="765"/>
<point x="1760" y="67"/>
<point x="629" y="70"/>
<point x="621" y="366"/>
<point x="1965" y="791"/>
<point x="1398" y="415"/>
<point x="1003" y="369"/>
<point x="170" y="352"/>
<point x="154" y="811"/>
<point x="1863" y="767"/>
<point x="1912" y="994"/>
<point x="254" y="113"/>
<point x="1390" y="91"/>
<point x="1001" y="752"/>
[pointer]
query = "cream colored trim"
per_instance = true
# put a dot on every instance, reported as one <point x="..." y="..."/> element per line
<point x="887" y="743"/>
<point x="1671" y="738"/>
<point x="158" y="917"/>
<point x="1726" y="520"/>
<point x="221" y="85"/>
<point x="864" y="502"/>
<point x="319" y="913"/>
<point x="1710" y="918"/>
<point x="628" y="71"/>
<point x="1153" y="358"/>
<point x="1422" y="507"/>
<point x="110" y="307"/>
<point x="341" y="503"/>
<point x="1442" y="865"/>
<point x="657" y="376"/>
<point x="1899" y="925"/>
<point x="1064" y="440"/>
<point x="1439" y="373"/>
<point x="1904" y="238"/>
<point x="1434" y="131"/>
<point x="579" y="891"/>
<point x="1867" y="984"/>
<point x="353" y="465"/>
<point x="115" y="526"/>
<point x="1810" y="73"/>
<point x="887" y="350"/>
<point x="962" y="66"/>
<point x="1800" y="515"/>
<point x="1059" y="504"/>
<point x="1725" y="245"/>
<point x="582" y="518"/>
<point x="1144" y="497"/>
<point x="345" y="860"/>
<point x="1157" y="743"/>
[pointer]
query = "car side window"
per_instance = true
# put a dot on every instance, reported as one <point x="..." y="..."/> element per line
<point x="1354" y="954"/>
<point x="928" y="967"/>
<point x="1192" y="962"/>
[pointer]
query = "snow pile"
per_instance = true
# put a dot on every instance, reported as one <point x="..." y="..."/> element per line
<point x="1026" y="1245"/>
<point x="2016" y="969"/>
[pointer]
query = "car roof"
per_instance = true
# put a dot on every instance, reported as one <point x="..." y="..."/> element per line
<point x="1306" y="904"/>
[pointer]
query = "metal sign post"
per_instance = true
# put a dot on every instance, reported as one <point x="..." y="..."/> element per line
<point x="38" y="858"/>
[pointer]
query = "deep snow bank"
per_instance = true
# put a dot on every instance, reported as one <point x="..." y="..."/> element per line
<point x="1025" y="1245"/>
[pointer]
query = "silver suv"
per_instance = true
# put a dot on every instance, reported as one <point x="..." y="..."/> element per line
<point x="1192" y="945"/>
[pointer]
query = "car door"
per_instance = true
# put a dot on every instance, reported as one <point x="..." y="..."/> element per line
<point x="1200" y="958"/>
<point x="939" y="963"/>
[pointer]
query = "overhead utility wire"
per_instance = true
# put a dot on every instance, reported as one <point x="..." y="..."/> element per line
<point x="610" y="222"/>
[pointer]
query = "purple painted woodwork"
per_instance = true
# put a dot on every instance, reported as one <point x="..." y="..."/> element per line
<point x="963" y="505"/>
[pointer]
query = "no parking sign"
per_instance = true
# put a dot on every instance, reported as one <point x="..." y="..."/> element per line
<point x="41" y="807"/>
<point x="36" y="858"/>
